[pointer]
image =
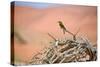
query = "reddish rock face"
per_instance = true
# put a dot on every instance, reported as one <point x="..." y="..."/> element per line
<point x="34" y="24"/>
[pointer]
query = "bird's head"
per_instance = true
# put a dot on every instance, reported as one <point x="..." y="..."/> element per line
<point x="60" y="22"/>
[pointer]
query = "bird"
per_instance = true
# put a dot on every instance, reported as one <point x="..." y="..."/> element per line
<point x="64" y="28"/>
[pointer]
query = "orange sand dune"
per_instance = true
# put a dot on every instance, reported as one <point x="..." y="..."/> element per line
<point x="34" y="24"/>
